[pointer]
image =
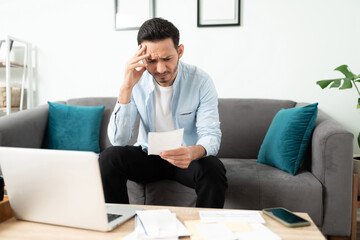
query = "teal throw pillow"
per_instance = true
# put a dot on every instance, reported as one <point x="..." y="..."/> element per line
<point x="73" y="127"/>
<point x="288" y="136"/>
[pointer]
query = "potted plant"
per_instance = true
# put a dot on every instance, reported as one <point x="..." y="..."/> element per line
<point x="348" y="81"/>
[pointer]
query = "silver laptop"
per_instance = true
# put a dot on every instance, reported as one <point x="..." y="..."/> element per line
<point x="59" y="187"/>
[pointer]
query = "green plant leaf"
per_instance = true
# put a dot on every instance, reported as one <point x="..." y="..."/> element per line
<point x="336" y="83"/>
<point x="347" y="84"/>
<point x="358" y="105"/>
<point x="324" y="83"/>
<point x="345" y="70"/>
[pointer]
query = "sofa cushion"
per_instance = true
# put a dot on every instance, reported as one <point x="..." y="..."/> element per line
<point x="73" y="127"/>
<point x="244" y="123"/>
<point x="288" y="137"/>
<point x="252" y="185"/>
<point x="109" y="103"/>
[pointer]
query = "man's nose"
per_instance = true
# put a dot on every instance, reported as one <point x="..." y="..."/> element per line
<point x="160" y="67"/>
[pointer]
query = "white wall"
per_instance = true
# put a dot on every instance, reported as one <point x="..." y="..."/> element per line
<point x="280" y="50"/>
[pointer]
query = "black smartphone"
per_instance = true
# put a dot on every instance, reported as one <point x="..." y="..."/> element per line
<point x="286" y="217"/>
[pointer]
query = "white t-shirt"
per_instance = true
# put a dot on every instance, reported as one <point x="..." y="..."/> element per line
<point x="163" y="117"/>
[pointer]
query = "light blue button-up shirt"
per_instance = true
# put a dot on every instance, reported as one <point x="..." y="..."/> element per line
<point x="194" y="107"/>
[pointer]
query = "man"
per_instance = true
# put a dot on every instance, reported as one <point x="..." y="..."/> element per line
<point x="167" y="94"/>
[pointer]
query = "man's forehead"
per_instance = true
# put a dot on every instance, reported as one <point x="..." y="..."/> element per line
<point x="159" y="53"/>
<point x="157" y="56"/>
<point x="167" y="41"/>
<point x="162" y="48"/>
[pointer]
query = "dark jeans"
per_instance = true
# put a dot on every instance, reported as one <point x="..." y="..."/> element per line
<point x="118" y="164"/>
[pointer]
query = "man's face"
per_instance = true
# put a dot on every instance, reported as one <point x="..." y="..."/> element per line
<point x="163" y="61"/>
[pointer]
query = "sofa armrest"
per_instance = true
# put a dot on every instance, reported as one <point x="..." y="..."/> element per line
<point x="24" y="129"/>
<point x="332" y="154"/>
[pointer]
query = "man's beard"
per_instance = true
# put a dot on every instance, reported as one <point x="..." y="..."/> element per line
<point x="171" y="75"/>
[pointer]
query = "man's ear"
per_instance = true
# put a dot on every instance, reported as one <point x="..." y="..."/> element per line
<point x="180" y="50"/>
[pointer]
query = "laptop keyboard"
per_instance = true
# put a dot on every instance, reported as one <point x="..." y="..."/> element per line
<point x="112" y="217"/>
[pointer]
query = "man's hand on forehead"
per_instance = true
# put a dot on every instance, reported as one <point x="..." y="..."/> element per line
<point x="145" y="52"/>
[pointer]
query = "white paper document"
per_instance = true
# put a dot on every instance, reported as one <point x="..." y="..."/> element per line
<point x="231" y="216"/>
<point x="216" y="231"/>
<point x="135" y="236"/>
<point x="259" y="232"/>
<point x="161" y="141"/>
<point x="157" y="224"/>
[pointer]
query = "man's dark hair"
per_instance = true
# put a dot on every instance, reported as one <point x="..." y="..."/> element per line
<point x="157" y="29"/>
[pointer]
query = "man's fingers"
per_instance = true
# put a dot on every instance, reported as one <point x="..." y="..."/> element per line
<point x="179" y="157"/>
<point x="141" y="70"/>
<point x="174" y="152"/>
<point x="131" y="66"/>
<point x="138" y="65"/>
<point x="140" y="50"/>
<point x="170" y="161"/>
<point x="179" y="164"/>
<point x="175" y="157"/>
<point x="139" y="58"/>
<point x="136" y="62"/>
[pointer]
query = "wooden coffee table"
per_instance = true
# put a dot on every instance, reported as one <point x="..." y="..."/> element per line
<point x="15" y="229"/>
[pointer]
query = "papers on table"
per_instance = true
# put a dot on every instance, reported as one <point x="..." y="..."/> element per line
<point x="231" y="216"/>
<point x="225" y="225"/>
<point x="216" y="231"/>
<point x="229" y="230"/>
<point x="161" y="141"/>
<point x="157" y="224"/>
<point x="259" y="232"/>
<point x="230" y="225"/>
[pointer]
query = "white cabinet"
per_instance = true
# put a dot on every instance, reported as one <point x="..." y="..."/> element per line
<point x="16" y="88"/>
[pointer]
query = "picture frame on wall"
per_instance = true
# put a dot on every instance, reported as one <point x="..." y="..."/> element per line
<point x="215" y="13"/>
<point x="131" y="14"/>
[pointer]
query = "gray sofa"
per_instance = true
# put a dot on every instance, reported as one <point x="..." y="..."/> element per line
<point x="322" y="187"/>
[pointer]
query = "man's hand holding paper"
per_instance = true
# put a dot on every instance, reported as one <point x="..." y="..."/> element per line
<point x="162" y="141"/>
<point x="168" y="146"/>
